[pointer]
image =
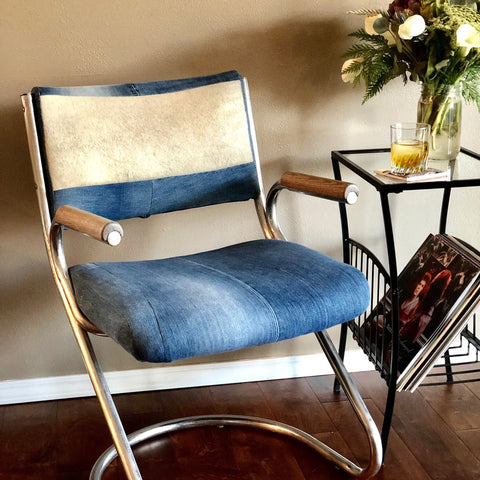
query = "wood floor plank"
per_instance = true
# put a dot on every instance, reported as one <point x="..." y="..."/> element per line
<point x="400" y="462"/>
<point x="189" y="402"/>
<point x="322" y="385"/>
<point x="82" y="434"/>
<point x="295" y="403"/>
<point x="31" y="474"/>
<point x="237" y="453"/>
<point x="449" y="402"/>
<point x="317" y="466"/>
<point x="471" y="438"/>
<point x="472" y="379"/>
<point x="160" y="406"/>
<point x="256" y="455"/>
<point x="430" y="439"/>
<point x="474" y="387"/>
<point x="443" y="454"/>
<point x="240" y="399"/>
<point x="470" y="376"/>
<point x="201" y="450"/>
<point x="29" y="436"/>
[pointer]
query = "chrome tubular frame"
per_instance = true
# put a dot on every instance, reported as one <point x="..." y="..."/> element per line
<point x="271" y="211"/>
<point x="54" y="247"/>
<point x="319" y="187"/>
<point x="79" y="324"/>
<point x="122" y="446"/>
<point x="260" y="200"/>
<point x="343" y="377"/>
<point x="375" y="443"/>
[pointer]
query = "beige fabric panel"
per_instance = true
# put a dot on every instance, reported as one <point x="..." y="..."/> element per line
<point x="101" y="140"/>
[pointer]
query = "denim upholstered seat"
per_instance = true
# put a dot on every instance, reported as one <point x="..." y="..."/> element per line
<point x="247" y="294"/>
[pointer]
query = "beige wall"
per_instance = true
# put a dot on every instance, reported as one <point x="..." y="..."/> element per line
<point x="290" y="51"/>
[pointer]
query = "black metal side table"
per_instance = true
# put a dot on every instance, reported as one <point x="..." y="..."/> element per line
<point x="465" y="172"/>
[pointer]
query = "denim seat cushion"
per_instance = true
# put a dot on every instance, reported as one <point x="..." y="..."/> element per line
<point x="243" y="295"/>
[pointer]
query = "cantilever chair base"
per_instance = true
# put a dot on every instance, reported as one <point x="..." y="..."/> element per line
<point x="165" y="428"/>
<point x="176" y="425"/>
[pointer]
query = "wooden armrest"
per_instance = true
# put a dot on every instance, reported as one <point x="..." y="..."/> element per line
<point x="320" y="187"/>
<point x="93" y="225"/>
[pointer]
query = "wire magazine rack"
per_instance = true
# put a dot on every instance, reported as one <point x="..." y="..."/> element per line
<point x="450" y="368"/>
<point x="457" y="365"/>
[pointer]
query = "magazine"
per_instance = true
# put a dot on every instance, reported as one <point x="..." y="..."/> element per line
<point x="439" y="289"/>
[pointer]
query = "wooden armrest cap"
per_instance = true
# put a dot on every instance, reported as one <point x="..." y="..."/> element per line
<point x="90" y="224"/>
<point x="320" y="186"/>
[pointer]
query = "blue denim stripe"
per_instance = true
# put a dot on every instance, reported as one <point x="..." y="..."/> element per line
<point x="142" y="88"/>
<point x="119" y="201"/>
<point x="239" y="296"/>
<point x="219" y="186"/>
<point x="115" y="201"/>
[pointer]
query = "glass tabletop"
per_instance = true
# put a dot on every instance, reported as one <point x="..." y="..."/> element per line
<point x="464" y="171"/>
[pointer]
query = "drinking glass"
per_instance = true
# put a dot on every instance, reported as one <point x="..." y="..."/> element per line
<point x="409" y="147"/>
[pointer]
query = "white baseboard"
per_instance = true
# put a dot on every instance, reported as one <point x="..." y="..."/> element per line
<point x="169" y="377"/>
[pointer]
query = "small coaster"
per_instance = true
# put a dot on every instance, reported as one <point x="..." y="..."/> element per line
<point x="431" y="174"/>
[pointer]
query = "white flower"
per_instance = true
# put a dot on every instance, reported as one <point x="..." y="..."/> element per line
<point x="412" y="27"/>
<point x="468" y="37"/>
<point x="349" y="77"/>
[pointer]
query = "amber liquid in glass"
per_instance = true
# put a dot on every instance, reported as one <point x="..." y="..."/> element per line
<point x="409" y="156"/>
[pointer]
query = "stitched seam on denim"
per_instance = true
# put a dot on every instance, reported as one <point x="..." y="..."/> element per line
<point x="314" y="299"/>
<point x="249" y="287"/>
<point x="103" y="267"/>
<point x="152" y="192"/>
<point x="134" y="89"/>
<point x="159" y="329"/>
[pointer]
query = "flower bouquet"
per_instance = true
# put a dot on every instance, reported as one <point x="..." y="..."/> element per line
<point x="435" y="43"/>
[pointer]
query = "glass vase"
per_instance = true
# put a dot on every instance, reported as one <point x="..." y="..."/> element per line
<point x="465" y="3"/>
<point x="443" y="111"/>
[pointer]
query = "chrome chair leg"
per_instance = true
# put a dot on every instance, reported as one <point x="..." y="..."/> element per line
<point x="121" y="443"/>
<point x="375" y="443"/>
<point x="358" y="405"/>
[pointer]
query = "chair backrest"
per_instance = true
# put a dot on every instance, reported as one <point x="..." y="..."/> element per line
<point x="134" y="150"/>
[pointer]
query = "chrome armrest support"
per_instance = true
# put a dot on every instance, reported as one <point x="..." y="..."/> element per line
<point x="326" y="188"/>
<point x="93" y="225"/>
<point x="90" y="224"/>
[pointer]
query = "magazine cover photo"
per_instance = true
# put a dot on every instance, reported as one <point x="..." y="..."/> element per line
<point x="431" y="289"/>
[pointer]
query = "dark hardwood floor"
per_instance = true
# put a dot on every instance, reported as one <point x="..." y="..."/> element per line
<point x="435" y="434"/>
